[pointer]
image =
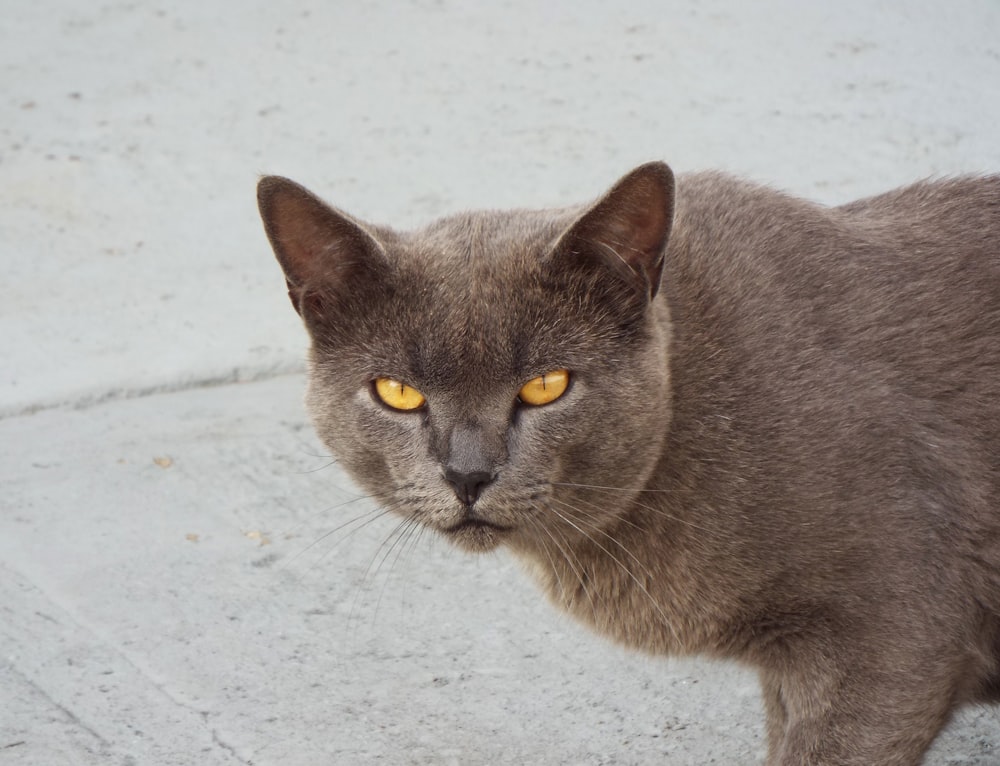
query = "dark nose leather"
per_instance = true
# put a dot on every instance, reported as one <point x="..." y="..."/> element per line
<point x="468" y="486"/>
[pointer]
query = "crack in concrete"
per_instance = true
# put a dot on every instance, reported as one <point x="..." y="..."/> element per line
<point x="71" y="717"/>
<point x="71" y="623"/>
<point x="222" y="744"/>
<point x="88" y="401"/>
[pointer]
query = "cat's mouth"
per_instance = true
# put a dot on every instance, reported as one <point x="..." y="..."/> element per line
<point x="476" y="534"/>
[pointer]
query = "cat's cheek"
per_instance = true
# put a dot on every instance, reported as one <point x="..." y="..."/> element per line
<point x="401" y="440"/>
<point x="614" y="436"/>
<point x="538" y="444"/>
<point x="536" y="439"/>
<point x="358" y="436"/>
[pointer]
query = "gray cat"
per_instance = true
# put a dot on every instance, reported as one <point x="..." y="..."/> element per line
<point x="711" y="419"/>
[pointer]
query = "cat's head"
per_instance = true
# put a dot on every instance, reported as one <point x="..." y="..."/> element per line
<point x="487" y="374"/>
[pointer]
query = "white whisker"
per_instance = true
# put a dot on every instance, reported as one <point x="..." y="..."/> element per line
<point x="666" y="621"/>
<point x="410" y="525"/>
<point x="609" y="489"/>
<point x="571" y="561"/>
<point x="391" y="540"/>
<point x="657" y="511"/>
<point x="598" y="529"/>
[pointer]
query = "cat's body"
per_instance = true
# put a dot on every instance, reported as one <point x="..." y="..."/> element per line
<point x="780" y="443"/>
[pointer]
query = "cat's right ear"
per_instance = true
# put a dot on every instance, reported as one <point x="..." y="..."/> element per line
<point x="322" y="251"/>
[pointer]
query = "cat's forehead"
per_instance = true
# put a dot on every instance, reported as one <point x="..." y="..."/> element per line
<point x="478" y="272"/>
<point x="486" y="237"/>
<point x="470" y="297"/>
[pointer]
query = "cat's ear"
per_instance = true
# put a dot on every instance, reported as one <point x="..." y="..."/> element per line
<point x="322" y="251"/>
<point x="628" y="228"/>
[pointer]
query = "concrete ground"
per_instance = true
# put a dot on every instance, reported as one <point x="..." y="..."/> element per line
<point x="185" y="577"/>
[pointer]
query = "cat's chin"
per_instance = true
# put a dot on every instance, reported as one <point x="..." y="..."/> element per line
<point x="476" y="535"/>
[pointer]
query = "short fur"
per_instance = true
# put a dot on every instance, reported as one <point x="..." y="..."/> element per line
<point x="781" y="443"/>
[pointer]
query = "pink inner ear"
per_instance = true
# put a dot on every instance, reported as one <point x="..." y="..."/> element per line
<point x="630" y="225"/>
<point x="315" y="245"/>
<point x="643" y="228"/>
<point x="299" y="239"/>
<point x="635" y="222"/>
<point x="303" y="249"/>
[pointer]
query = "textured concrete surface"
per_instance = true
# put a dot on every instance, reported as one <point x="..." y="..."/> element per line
<point x="185" y="578"/>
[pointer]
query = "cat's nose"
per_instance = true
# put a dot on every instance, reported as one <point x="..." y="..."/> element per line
<point x="468" y="485"/>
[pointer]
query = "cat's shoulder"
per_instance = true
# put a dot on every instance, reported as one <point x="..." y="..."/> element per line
<point x="716" y="190"/>
<point x="959" y="214"/>
<point x="719" y="202"/>
<point x="721" y="206"/>
<point x="949" y="195"/>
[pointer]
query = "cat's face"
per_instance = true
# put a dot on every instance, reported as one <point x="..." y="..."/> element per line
<point x="486" y="375"/>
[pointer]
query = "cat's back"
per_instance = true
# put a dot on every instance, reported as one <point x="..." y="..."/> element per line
<point x="924" y="228"/>
<point x="865" y="335"/>
<point x="936" y="248"/>
<point x="959" y="214"/>
<point x="910" y="278"/>
<point x="858" y="349"/>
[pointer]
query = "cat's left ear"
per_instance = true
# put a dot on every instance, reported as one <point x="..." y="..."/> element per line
<point x="628" y="228"/>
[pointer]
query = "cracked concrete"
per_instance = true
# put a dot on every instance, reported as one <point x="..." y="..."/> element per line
<point x="185" y="576"/>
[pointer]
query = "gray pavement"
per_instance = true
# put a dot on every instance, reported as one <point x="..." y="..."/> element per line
<point x="185" y="577"/>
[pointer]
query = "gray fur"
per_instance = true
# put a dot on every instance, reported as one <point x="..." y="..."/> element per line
<point x="781" y="443"/>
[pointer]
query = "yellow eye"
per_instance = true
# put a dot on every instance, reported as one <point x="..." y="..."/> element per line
<point x="545" y="388"/>
<point x="398" y="395"/>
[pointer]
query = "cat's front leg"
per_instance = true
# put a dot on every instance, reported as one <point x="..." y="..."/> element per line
<point x="853" y="721"/>
<point x="775" y="713"/>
